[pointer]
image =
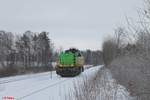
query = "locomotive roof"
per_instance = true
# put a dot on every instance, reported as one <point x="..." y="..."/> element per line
<point x="73" y="50"/>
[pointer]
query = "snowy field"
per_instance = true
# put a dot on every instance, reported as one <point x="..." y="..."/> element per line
<point x="42" y="86"/>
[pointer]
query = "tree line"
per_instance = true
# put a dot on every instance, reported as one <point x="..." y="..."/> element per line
<point x="93" y="57"/>
<point x="24" y="51"/>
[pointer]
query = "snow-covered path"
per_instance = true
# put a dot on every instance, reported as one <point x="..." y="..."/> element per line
<point x="41" y="86"/>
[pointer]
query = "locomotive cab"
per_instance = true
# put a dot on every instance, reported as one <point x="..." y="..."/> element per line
<point x="70" y="63"/>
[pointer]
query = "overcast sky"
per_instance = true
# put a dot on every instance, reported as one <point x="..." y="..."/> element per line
<point x="71" y="23"/>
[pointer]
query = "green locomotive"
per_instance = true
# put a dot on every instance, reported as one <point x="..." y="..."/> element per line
<point x="70" y="63"/>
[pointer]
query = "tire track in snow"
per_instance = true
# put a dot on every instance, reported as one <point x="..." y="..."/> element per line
<point x="20" y="79"/>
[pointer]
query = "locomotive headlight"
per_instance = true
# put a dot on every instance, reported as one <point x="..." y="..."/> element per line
<point x="72" y="65"/>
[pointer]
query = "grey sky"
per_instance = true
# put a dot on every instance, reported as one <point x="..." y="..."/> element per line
<point x="71" y="23"/>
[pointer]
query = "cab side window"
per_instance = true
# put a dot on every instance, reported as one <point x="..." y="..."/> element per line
<point x="79" y="55"/>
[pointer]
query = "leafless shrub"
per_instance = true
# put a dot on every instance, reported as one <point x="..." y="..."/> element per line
<point x="85" y="90"/>
<point x="109" y="51"/>
<point x="133" y="73"/>
<point x="113" y="46"/>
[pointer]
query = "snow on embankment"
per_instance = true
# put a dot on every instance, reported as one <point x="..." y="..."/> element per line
<point x="100" y="87"/>
<point x="109" y="88"/>
<point x="41" y="86"/>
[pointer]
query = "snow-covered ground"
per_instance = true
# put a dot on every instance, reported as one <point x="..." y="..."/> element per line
<point x="43" y="86"/>
<point x="109" y="89"/>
